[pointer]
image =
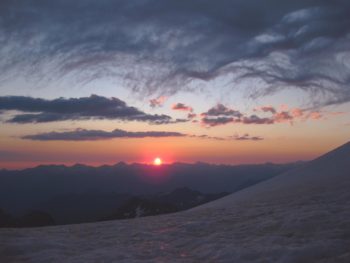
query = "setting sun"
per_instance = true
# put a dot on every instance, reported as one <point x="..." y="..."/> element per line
<point x="157" y="161"/>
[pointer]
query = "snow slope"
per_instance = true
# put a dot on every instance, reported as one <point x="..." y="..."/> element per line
<point x="300" y="216"/>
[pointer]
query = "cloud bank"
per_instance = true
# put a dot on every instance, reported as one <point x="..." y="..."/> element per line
<point x="94" y="135"/>
<point x="62" y="109"/>
<point x="164" y="45"/>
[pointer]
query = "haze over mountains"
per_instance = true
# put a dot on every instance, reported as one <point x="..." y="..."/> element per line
<point x="302" y="215"/>
<point x="82" y="193"/>
<point x="82" y="208"/>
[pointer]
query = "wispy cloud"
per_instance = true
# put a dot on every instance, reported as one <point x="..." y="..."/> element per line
<point x="247" y="137"/>
<point x="191" y="115"/>
<point x="157" y="102"/>
<point x="163" y="45"/>
<point x="296" y="114"/>
<point x="268" y="109"/>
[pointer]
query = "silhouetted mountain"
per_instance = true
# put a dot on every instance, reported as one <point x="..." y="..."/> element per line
<point x="138" y="207"/>
<point x="79" y="208"/>
<point x="184" y="198"/>
<point x="82" y="208"/>
<point x="5" y="219"/>
<point x="35" y="219"/>
<point x="177" y="200"/>
<point x="31" y="189"/>
<point x="31" y="219"/>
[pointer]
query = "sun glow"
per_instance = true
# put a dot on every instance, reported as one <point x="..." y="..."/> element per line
<point x="157" y="161"/>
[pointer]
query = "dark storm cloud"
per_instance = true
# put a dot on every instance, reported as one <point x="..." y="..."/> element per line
<point x="154" y="45"/>
<point x="94" y="135"/>
<point x="61" y="109"/>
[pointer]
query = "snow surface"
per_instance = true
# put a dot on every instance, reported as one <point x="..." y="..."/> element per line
<point x="300" y="216"/>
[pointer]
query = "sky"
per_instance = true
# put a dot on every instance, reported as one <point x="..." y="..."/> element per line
<point x="234" y="82"/>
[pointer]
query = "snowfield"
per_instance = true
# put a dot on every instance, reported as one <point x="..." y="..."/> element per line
<point x="300" y="216"/>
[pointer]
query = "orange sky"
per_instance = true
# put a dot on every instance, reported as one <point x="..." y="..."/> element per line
<point x="225" y="82"/>
<point x="23" y="153"/>
<point x="282" y="142"/>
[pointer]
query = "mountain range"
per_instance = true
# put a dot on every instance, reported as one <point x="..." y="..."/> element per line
<point x="93" y="192"/>
<point x="302" y="215"/>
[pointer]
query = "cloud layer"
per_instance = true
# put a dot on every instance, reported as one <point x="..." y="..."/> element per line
<point x="221" y="115"/>
<point x="62" y="109"/>
<point x="94" y="135"/>
<point x="155" y="45"/>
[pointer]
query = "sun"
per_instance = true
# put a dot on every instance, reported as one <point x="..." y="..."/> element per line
<point x="157" y="161"/>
